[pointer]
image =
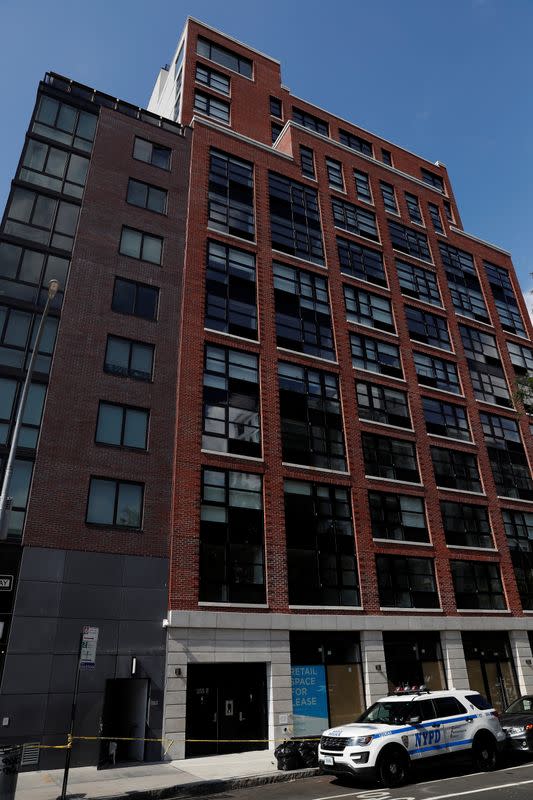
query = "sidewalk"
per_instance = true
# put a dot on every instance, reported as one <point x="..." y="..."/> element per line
<point x="194" y="776"/>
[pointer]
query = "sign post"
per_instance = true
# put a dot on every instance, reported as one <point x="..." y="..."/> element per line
<point x="86" y="660"/>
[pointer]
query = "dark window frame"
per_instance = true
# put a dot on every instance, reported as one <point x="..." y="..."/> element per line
<point x="144" y="236"/>
<point x="379" y="449"/>
<point x="156" y="148"/>
<point x="483" y="597"/>
<point x="130" y="373"/>
<point x="125" y="408"/>
<point x="114" y="524"/>
<point x="138" y="285"/>
<point x="404" y="577"/>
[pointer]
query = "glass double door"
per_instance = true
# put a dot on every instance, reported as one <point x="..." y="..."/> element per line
<point x="490" y="668"/>
<point x="226" y="708"/>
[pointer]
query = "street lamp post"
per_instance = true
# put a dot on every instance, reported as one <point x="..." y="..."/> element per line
<point x="5" y="501"/>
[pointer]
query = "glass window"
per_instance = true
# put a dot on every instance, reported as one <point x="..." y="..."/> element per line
<point x="463" y="283"/>
<point x="398" y="517"/>
<point x="65" y="123"/>
<point x="230" y="291"/>
<point x="394" y="459"/>
<point x="428" y="328"/>
<point x="307" y="162"/>
<point x="320" y="545"/>
<point x="361" y="262"/>
<point x="455" y="469"/>
<point x="123" y="426"/>
<point x="434" y="213"/>
<point x="389" y="197"/>
<point x="521" y="357"/>
<point x="418" y="282"/>
<point x="478" y="584"/>
<point x="448" y="706"/>
<point x="152" y="153"/>
<point x="355" y="142"/>
<point x="53" y="168"/>
<point x="276" y="129"/>
<point x="519" y="531"/>
<point x="231" y="418"/>
<point x="364" y="308"/>
<point x="295" y="219"/>
<point x="231" y="195"/>
<point x="18" y="489"/>
<point x="136" y="299"/>
<point x="382" y="404"/>
<point x="406" y="582"/>
<point x="310" y="121"/>
<point x="232" y="568"/>
<point x="362" y="186"/>
<point x="505" y="299"/>
<point x="414" y="243"/>
<point x="311" y="417"/>
<point x="275" y="107"/>
<point x="374" y="355"/>
<point x="10" y="390"/>
<point x="146" y="196"/>
<point x="466" y="525"/>
<point x="128" y="358"/>
<point x="18" y="330"/>
<point x="212" y="78"/>
<point x="25" y="274"/>
<point x="413" y="208"/>
<point x="224" y="57"/>
<point x="508" y="459"/>
<point x="432" y="179"/>
<point x="115" y="503"/>
<point x="448" y="210"/>
<point x="436" y="372"/>
<point x="335" y="176"/>
<point x="211" y="106"/>
<point x="143" y="246"/>
<point x="386" y="157"/>
<point x="486" y="372"/>
<point x="354" y="219"/>
<point x="303" y="318"/>
<point x="446" y="419"/>
<point x="41" y="219"/>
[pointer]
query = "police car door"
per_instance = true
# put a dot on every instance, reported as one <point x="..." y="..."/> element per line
<point x="426" y="738"/>
<point x="456" y="722"/>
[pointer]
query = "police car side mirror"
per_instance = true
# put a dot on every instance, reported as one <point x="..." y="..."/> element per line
<point x="414" y="720"/>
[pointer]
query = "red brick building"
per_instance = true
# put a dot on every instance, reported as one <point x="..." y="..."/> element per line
<point x="337" y="464"/>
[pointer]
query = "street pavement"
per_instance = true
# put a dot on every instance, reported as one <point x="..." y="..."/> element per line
<point x="508" y="783"/>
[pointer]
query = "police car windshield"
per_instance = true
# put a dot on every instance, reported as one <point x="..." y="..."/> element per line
<point x="389" y="713"/>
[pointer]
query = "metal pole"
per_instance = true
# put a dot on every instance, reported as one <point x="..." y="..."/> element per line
<point x="5" y="504"/>
<point x="71" y="728"/>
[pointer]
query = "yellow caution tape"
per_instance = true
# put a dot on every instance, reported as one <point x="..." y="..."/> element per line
<point x="164" y="740"/>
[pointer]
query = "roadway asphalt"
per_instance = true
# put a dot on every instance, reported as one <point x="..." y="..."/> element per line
<point x="511" y="782"/>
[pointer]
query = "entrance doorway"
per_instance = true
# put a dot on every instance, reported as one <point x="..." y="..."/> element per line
<point x="490" y="667"/>
<point x="226" y="708"/>
<point x="413" y="659"/>
<point x="124" y="716"/>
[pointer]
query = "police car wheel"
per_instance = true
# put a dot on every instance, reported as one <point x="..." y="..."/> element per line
<point x="392" y="767"/>
<point x="484" y="754"/>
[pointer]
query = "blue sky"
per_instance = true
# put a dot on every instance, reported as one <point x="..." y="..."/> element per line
<point x="451" y="80"/>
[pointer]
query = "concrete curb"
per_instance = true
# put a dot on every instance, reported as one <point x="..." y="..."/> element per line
<point x="203" y="788"/>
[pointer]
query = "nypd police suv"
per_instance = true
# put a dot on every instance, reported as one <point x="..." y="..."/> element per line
<point x="411" y="725"/>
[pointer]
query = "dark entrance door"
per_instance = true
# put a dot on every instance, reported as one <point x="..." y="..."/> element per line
<point x="124" y="716"/>
<point x="414" y="659"/>
<point x="226" y="708"/>
<point x="490" y="667"/>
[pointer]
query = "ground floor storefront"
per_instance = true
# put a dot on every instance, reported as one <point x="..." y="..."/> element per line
<point x="237" y="681"/>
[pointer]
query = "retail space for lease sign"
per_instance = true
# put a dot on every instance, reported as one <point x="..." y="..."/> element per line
<point x="309" y="700"/>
